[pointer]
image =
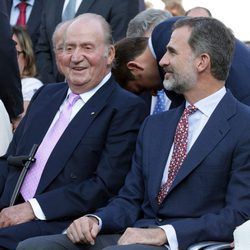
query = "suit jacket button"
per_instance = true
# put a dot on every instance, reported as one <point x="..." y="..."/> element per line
<point x="159" y="219"/>
<point x="73" y="176"/>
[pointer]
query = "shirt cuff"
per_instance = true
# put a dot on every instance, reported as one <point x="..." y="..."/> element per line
<point x="171" y="236"/>
<point x="98" y="218"/>
<point x="37" y="209"/>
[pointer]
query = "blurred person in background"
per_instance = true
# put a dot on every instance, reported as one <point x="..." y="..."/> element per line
<point x="134" y="68"/>
<point x="175" y="7"/>
<point x="144" y="22"/>
<point x="58" y="43"/>
<point x="10" y="84"/>
<point x="26" y="13"/>
<point x="26" y="63"/>
<point x="198" y="11"/>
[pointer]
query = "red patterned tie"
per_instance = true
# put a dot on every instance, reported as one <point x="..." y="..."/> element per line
<point x="21" y="21"/>
<point x="179" y="151"/>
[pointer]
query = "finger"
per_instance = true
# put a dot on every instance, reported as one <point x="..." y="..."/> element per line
<point x="73" y="234"/>
<point x="88" y="238"/>
<point x="122" y="240"/>
<point x="95" y="230"/>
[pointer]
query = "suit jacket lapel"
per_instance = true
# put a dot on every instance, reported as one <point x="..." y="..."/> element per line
<point x="214" y="131"/>
<point x="34" y="18"/>
<point x="9" y="6"/>
<point x="73" y="135"/>
<point x="42" y="118"/>
<point x="56" y="7"/>
<point x="162" y="142"/>
<point x="84" y="6"/>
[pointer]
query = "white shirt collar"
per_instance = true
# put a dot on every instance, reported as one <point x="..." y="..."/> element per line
<point x="87" y="95"/>
<point x="208" y="104"/>
<point x="151" y="48"/>
<point x="30" y="2"/>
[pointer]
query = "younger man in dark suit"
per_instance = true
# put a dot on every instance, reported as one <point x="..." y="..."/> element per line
<point x="189" y="180"/>
<point x="81" y="168"/>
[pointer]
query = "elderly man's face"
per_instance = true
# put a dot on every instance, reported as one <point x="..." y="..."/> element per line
<point x="86" y="56"/>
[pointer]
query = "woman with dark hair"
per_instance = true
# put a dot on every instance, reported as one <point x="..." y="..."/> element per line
<point x="26" y="63"/>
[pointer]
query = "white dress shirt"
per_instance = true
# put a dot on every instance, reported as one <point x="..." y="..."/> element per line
<point x="29" y="86"/>
<point x="77" y="106"/>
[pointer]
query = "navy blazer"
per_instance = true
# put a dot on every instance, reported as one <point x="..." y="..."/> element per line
<point x="88" y="164"/>
<point x="210" y="195"/>
<point x="116" y="14"/>
<point x="238" y="80"/>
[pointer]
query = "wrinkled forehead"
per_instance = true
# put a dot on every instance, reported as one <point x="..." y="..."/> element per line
<point x="84" y="28"/>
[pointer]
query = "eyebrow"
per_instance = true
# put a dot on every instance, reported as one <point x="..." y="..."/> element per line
<point x="171" y="49"/>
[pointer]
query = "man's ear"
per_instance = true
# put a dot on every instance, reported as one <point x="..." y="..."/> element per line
<point x="203" y="62"/>
<point x="134" y="66"/>
<point x="111" y="54"/>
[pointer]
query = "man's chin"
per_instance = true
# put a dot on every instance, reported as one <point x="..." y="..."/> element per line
<point x="168" y="85"/>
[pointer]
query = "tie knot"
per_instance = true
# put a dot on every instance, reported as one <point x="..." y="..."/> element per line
<point x="72" y="99"/>
<point x="189" y="110"/>
<point x="22" y="5"/>
<point x="160" y="93"/>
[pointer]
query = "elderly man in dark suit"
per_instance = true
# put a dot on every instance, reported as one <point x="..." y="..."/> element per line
<point x="79" y="166"/>
<point x="116" y="14"/>
<point x="190" y="175"/>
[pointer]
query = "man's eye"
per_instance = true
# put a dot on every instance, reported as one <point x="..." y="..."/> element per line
<point x="69" y="49"/>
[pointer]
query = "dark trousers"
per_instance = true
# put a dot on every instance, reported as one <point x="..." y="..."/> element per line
<point x="62" y="242"/>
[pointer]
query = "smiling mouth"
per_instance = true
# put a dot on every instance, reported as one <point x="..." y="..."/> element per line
<point x="78" y="68"/>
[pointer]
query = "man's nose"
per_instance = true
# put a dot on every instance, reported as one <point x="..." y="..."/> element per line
<point x="164" y="60"/>
<point x="77" y="55"/>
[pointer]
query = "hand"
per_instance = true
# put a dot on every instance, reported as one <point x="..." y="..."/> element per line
<point x="15" y="122"/>
<point x="14" y="215"/>
<point x="83" y="230"/>
<point x="146" y="236"/>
